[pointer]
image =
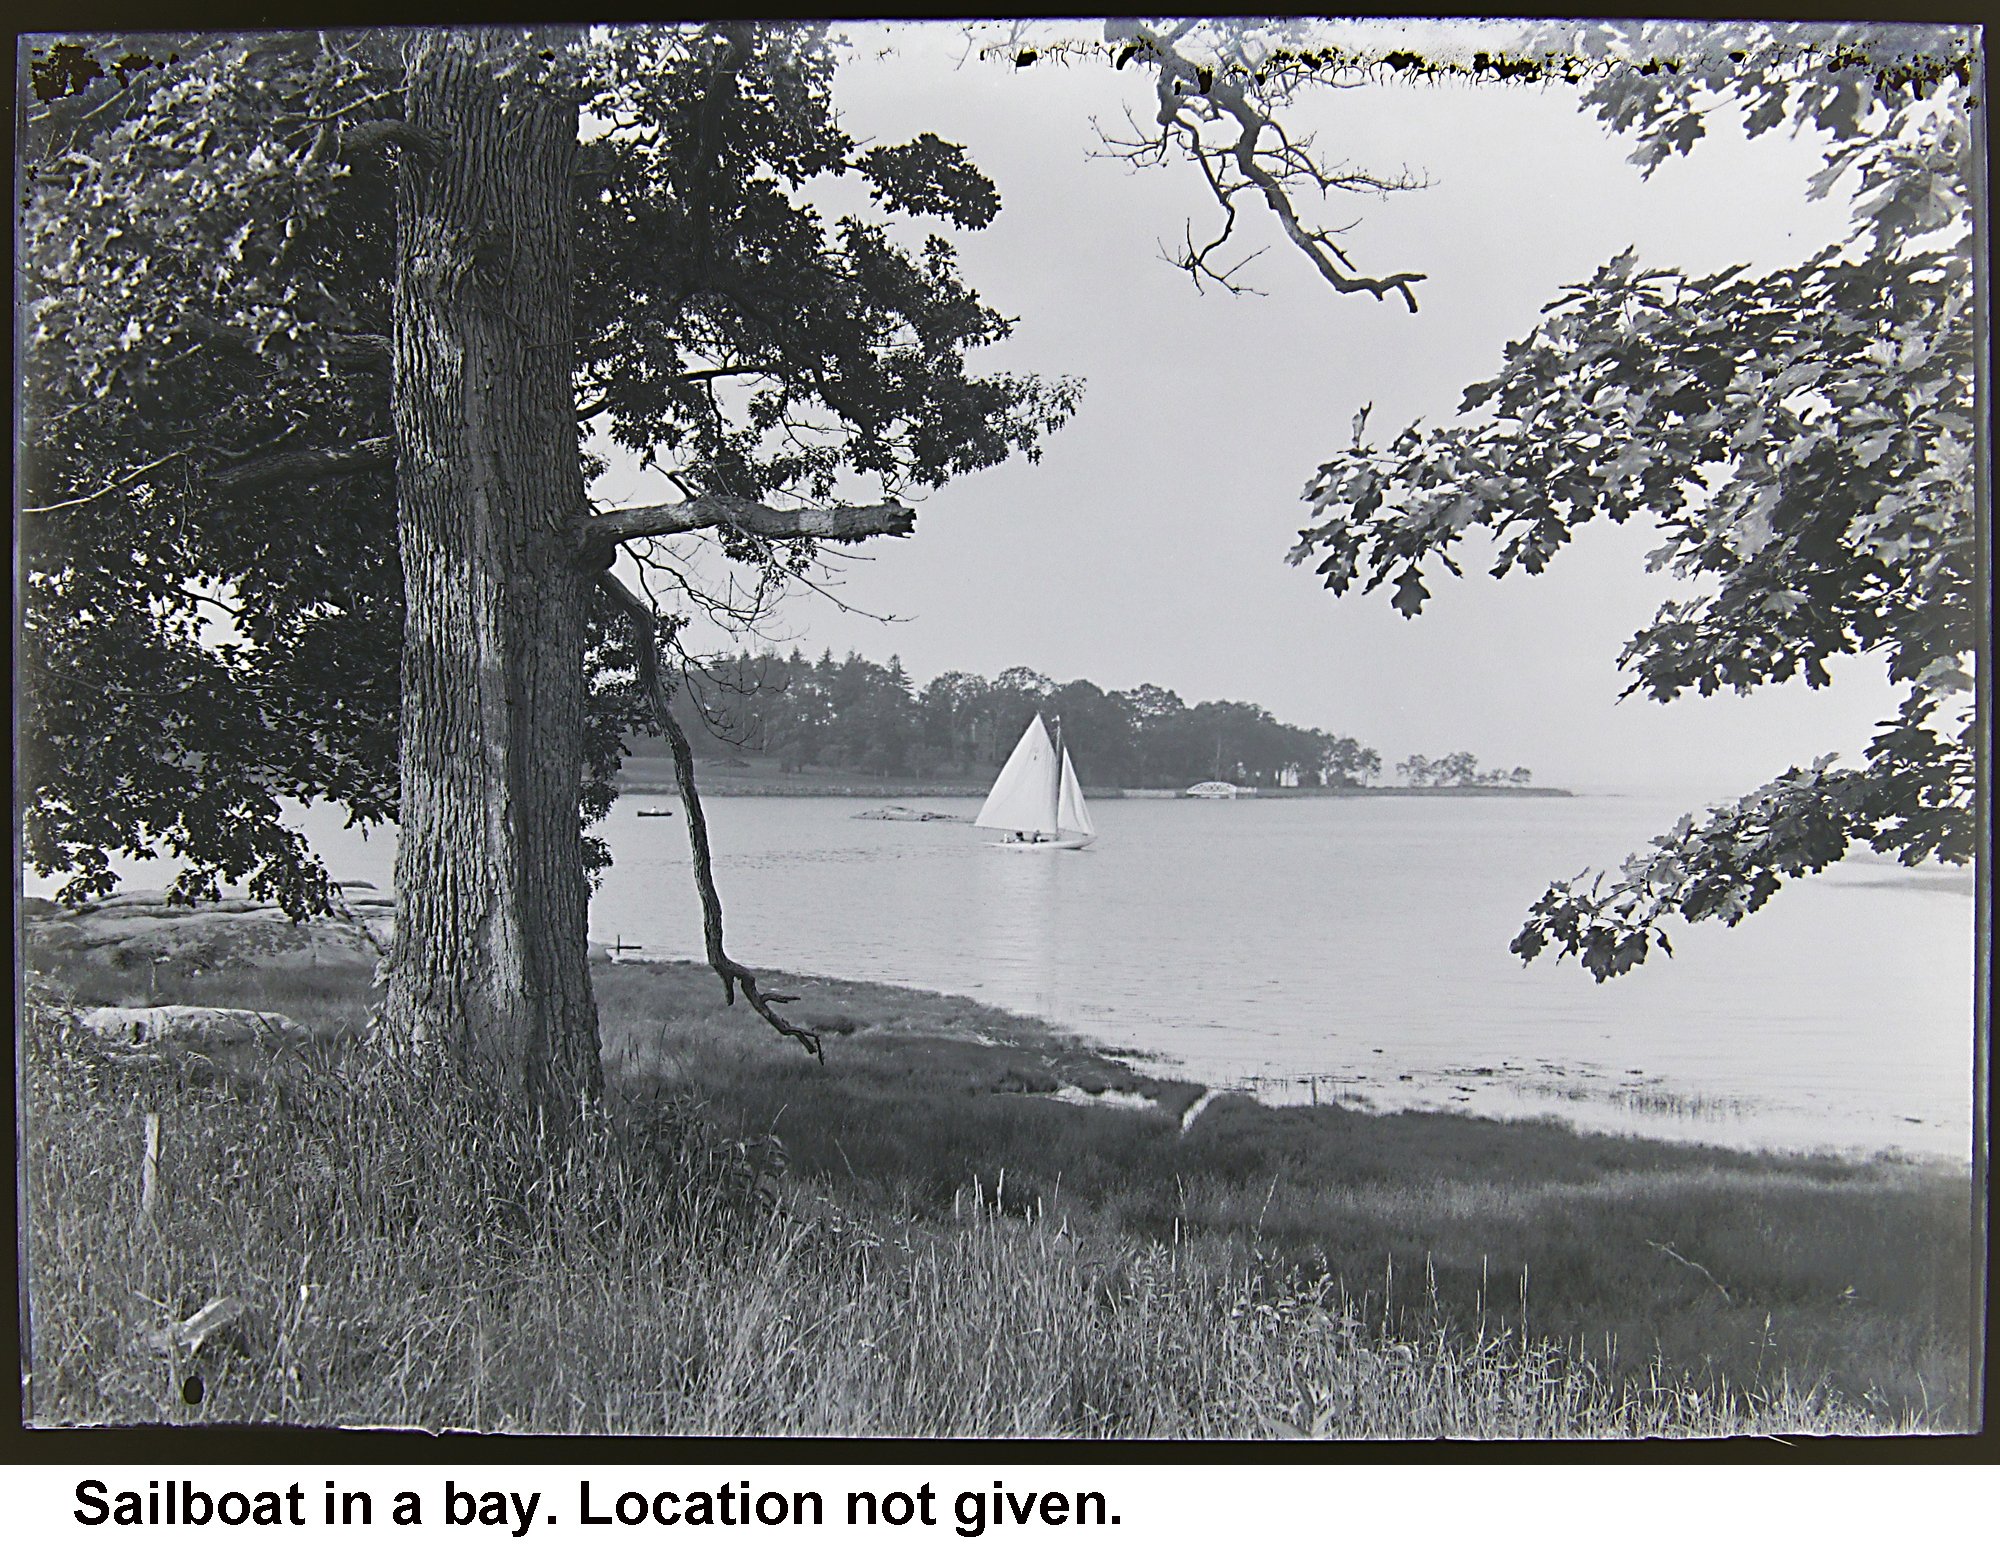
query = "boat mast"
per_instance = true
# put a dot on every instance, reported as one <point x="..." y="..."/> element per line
<point x="1057" y="812"/>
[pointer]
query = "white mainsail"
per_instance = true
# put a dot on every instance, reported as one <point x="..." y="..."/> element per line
<point x="1024" y="795"/>
<point x="1072" y="815"/>
<point x="1037" y="797"/>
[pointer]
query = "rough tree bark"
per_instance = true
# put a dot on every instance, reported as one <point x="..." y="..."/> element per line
<point x="490" y="958"/>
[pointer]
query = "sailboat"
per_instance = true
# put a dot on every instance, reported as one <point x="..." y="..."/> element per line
<point x="1036" y="799"/>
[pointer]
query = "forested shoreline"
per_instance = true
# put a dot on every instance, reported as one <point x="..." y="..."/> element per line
<point x="858" y="716"/>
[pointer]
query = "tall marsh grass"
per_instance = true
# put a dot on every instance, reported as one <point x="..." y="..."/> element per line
<point x="400" y="1249"/>
<point x="1751" y="1273"/>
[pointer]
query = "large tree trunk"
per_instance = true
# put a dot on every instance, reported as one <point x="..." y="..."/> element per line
<point x="489" y="962"/>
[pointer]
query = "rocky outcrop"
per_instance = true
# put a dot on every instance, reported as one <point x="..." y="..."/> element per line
<point x="132" y="929"/>
<point x="201" y="1040"/>
<point x="195" y="1026"/>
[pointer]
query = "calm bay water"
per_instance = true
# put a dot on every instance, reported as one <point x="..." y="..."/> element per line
<point x="1357" y="949"/>
<point x="1352" y="950"/>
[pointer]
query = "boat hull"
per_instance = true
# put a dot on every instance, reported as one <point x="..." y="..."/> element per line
<point x="1047" y="845"/>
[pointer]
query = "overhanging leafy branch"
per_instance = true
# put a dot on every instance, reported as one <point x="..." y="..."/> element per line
<point x="1806" y="442"/>
<point x="1915" y="799"/>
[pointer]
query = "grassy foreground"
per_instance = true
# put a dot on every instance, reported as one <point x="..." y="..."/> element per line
<point x="921" y="1238"/>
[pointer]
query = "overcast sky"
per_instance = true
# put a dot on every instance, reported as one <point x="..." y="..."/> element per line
<point x="1149" y="543"/>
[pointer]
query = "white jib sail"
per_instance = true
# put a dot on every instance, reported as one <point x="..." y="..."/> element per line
<point x="1072" y="815"/>
<point x="1024" y="795"/>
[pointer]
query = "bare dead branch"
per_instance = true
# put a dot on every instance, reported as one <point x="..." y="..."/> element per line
<point x="1315" y="245"/>
<point x="734" y="974"/>
<point x="1262" y="156"/>
<point x="845" y="607"/>
<point x="712" y="511"/>
<point x="738" y="610"/>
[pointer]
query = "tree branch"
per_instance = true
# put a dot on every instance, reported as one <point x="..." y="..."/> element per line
<point x="400" y="133"/>
<point x="1192" y="95"/>
<point x="109" y="489"/>
<point x="732" y="973"/>
<point x="713" y="511"/>
<point x="309" y="465"/>
<point x="1314" y="245"/>
<point x="358" y="349"/>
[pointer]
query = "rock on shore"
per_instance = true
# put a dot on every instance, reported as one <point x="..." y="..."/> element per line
<point x="130" y="929"/>
<point x="247" y="1045"/>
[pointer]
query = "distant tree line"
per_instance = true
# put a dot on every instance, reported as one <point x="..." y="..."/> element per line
<point x="1459" y="769"/>
<point x="855" y="715"/>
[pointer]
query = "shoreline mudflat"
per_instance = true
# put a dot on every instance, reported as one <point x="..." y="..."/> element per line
<point x="137" y="949"/>
<point x="1769" y="1273"/>
<point x="133" y="949"/>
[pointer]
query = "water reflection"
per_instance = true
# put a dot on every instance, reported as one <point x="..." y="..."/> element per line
<point x="1013" y="920"/>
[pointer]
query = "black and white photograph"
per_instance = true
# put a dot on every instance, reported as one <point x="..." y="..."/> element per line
<point x="1160" y="730"/>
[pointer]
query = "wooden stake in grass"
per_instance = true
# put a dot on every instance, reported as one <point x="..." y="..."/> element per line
<point x="190" y="1334"/>
<point x="149" y="1167"/>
